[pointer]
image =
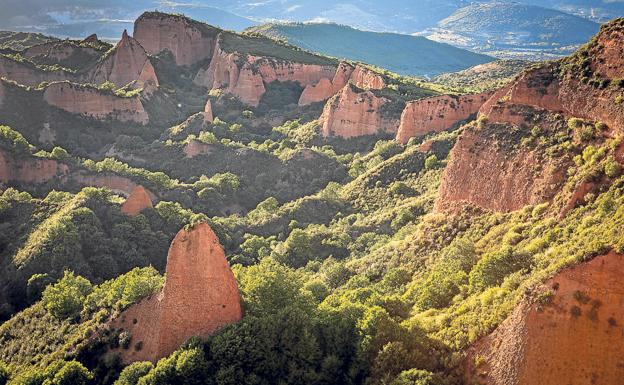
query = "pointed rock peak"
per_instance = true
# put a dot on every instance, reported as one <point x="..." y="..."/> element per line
<point x="138" y="201"/>
<point x="93" y="38"/>
<point x="208" y="117"/>
<point x="124" y="35"/>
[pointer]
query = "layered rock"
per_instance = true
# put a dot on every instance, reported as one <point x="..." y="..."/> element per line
<point x="190" y="42"/>
<point x="118" y="184"/>
<point x="127" y="63"/>
<point x="574" y="339"/>
<point x="326" y="88"/>
<point x="91" y="102"/>
<point x="27" y="73"/>
<point x="200" y="297"/>
<point x="437" y="113"/>
<point x="246" y="76"/>
<point x="355" y="112"/>
<point x="30" y="170"/>
<point x="138" y="201"/>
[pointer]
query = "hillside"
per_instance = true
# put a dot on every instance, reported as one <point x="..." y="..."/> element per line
<point x="197" y="206"/>
<point x="526" y="31"/>
<point x="403" y="54"/>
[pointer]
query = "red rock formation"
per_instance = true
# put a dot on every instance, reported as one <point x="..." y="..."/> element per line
<point x="367" y="79"/>
<point x="93" y="38"/>
<point x="138" y="201"/>
<point x="27" y="74"/>
<point x="496" y="177"/>
<point x="118" y="184"/>
<point x="575" y="339"/>
<point x="29" y="169"/>
<point x="91" y="102"/>
<point x="208" y="118"/>
<point x="355" y="112"/>
<point x="127" y="63"/>
<point x="190" y="42"/>
<point x="57" y="51"/>
<point x="195" y="147"/>
<point x="437" y="113"/>
<point x="200" y="296"/>
<point x="246" y="77"/>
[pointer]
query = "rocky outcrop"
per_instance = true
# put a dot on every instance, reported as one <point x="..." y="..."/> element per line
<point x="30" y="169"/>
<point x="492" y="174"/>
<point x="355" y="112"/>
<point x="26" y="73"/>
<point x="574" y="338"/>
<point x="208" y="118"/>
<point x="189" y="41"/>
<point x="437" y="113"/>
<point x="361" y="77"/>
<point x="118" y="184"/>
<point x="195" y="147"/>
<point x="138" y="201"/>
<point x="91" y="102"/>
<point x="246" y="76"/>
<point x="579" y="86"/>
<point x="58" y="52"/>
<point x="127" y="63"/>
<point x="200" y="297"/>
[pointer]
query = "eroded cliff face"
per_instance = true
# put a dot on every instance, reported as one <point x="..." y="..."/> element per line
<point x="356" y="112"/>
<point x="30" y="170"/>
<point x="500" y="178"/>
<point x="93" y="103"/>
<point x="138" y="201"/>
<point x="190" y="42"/>
<point x="127" y="63"/>
<point x="118" y="184"/>
<point x="27" y="74"/>
<point x="575" y="338"/>
<point x="200" y="297"/>
<point x="326" y="88"/>
<point x="245" y="76"/>
<point x="437" y="113"/>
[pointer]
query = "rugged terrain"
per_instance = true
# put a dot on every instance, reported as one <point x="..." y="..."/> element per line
<point x="196" y="206"/>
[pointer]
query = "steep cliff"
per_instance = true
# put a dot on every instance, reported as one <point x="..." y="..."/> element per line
<point x="26" y="73"/>
<point x="126" y="63"/>
<point x="189" y="41"/>
<point x="437" y="113"/>
<point x="30" y="169"/>
<point x="355" y="112"/>
<point x="573" y="337"/>
<point x="505" y="178"/>
<point x="91" y="102"/>
<point x="138" y="201"/>
<point x="200" y="296"/>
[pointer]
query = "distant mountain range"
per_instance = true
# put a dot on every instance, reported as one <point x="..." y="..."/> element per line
<point x="404" y="54"/>
<point x="520" y="30"/>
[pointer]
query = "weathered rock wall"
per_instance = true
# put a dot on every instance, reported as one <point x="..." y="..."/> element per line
<point x="29" y="170"/>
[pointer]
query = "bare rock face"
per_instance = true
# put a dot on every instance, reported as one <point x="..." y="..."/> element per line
<point x="30" y="170"/>
<point x="504" y="180"/>
<point x="574" y="339"/>
<point x="361" y="77"/>
<point x="245" y="76"/>
<point x="93" y="103"/>
<point x="437" y="114"/>
<point x="118" y="184"/>
<point x="195" y="147"/>
<point x="355" y="112"/>
<point x="208" y="118"/>
<point x="190" y="42"/>
<point x="57" y="51"/>
<point x="127" y="63"/>
<point x="138" y="201"/>
<point x="27" y="74"/>
<point x="200" y="297"/>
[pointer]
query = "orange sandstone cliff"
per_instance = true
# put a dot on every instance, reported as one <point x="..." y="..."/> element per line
<point x="355" y="112"/>
<point x="29" y="169"/>
<point x="437" y="113"/>
<point x="88" y="101"/>
<point x="126" y="63"/>
<point x="138" y="201"/>
<point x="188" y="41"/>
<point x="200" y="296"/>
<point x="504" y="178"/>
<point x="575" y="338"/>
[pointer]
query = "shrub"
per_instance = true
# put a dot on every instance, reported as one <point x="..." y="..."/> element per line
<point x="65" y="299"/>
<point x="431" y="162"/>
<point x="4" y="373"/>
<point x="619" y="99"/>
<point x="72" y="373"/>
<point x="59" y="153"/>
<point x="611" y="167"/>
<point x="131" y="374"/>
<point x="492" y="268"/>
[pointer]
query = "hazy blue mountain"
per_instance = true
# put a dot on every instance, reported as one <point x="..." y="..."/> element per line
<point x="404" y="54"/>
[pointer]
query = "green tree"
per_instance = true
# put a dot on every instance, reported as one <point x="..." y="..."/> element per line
<point x="72" y="373"/>
<point x="131" y="374"/>
<point x="65" y="299"/>
<point x="492" y="268"/>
